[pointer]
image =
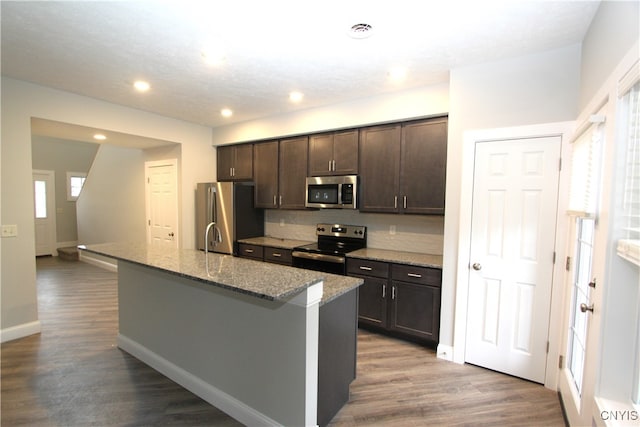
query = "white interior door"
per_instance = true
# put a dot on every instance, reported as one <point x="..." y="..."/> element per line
<point x="162" y="202"/>
<point x="511" y="260"/>
<point x="44" y="212"/>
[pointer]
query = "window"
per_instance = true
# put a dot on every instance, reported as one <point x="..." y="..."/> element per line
<point x="629" y="246"/>
<point x="584" y="197"/>
<point x="40" y="192"/>
<point x="75" y="181"/>
<point x="583" y="252"/>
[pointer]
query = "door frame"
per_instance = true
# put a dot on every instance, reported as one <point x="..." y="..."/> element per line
<point x="470" y="138"/>
<point x="51" y="207"/>
<point x="147" y="197"/>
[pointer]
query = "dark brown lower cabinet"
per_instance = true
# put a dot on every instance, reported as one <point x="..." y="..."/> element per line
<point x="399" y="299"/>
<point x="415" y="310"/>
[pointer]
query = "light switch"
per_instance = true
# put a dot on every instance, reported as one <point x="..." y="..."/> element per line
<point x="9" y="230"/>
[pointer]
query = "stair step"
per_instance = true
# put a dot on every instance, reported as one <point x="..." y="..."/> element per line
<point x="69" y="253"/>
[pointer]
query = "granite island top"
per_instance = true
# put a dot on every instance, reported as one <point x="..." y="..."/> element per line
<point x="410" y="258"/>
<point x="255" y="278"/>
<point x="274" y="242"/>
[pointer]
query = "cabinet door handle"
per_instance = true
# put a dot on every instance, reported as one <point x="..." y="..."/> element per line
<point x="404" y="203"/>
<point x="274" y="200"/>
<point x="417" y="276"/>
<point x="276" y="254"/>
<point x="329" y="165"/>
<point x="393" y="292"/>
<point x="395" y="202"/>
<point x="333" y="167"/>
<point x="365" y="268"/>
<point x="384" y="291"/>
<point x="280" y="200"/>
<point x="249" y="251"/>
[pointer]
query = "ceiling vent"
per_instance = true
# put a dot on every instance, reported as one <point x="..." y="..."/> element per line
<point x="360" y="31"/>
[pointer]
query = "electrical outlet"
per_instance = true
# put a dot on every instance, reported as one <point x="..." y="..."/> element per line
<point x="392" y="230"/>
<point x="9" y="230"/>
<point x="281" y="222"/>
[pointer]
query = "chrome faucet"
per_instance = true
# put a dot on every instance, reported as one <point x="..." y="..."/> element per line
<point x="206" y="237"/>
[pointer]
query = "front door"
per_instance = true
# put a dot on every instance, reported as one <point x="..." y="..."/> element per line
<point x="512" y="248"/>
<point x="44" y="212"/>
<point x="162" y="202"/>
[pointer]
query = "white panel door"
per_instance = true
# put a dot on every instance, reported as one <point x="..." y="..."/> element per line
<point x="512" y="248"/>
<point x="44" y="211"/>
<point x="162" y="203"/>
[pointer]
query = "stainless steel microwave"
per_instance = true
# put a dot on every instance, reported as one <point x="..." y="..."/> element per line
<point x="333" y="192"/>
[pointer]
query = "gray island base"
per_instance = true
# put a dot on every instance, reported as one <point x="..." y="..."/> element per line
<point x="267" y="344"/>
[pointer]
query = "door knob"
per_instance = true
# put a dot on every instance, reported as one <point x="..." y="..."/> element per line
<point x="584" y="308"/>
<point x="476" y="266"/>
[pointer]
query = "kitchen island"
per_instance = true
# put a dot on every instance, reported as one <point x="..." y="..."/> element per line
<point x="261" y="342"/>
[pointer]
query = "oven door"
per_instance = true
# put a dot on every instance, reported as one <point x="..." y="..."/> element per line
<point x="319" y="262"/>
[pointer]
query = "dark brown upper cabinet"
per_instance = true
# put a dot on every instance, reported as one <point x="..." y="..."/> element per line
<point x="235" y="162"/>
<point x="403" y="167"/>
<point x="334" y="153"/>
<point x="293" y="172"/>
<point x="265" y="174"/>
<point x="280" y="170"/>
<point x="423" y="167"/>
<point x="380" y="168"/>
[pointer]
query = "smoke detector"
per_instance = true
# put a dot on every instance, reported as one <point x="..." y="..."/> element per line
<point x="360" y="31"/>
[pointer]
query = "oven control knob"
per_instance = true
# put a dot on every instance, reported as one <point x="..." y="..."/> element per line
<point x="320" y="229"/>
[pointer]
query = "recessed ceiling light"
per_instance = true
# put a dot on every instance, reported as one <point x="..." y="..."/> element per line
<point x="296" y="96"/>
<point x="213" y="53"/>
<point x="226" y="112"/>
<point x="360" y="31"/>
<point x="398" y="74"/>
<point x="99" y="137"/>
<point x="141" y="86"/>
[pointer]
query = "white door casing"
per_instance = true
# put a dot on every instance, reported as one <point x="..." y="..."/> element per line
<point x="512" y="246"/>
<point x="45" y="221"/>
<point x="161" y="180"/>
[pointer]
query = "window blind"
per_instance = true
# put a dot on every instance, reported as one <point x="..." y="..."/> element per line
<point x="585" y="170"/>
<point x="629" y="246"/>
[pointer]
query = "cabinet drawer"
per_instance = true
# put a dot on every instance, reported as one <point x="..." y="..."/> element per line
<point x="368" y="268"/>
<point x="281" y="256"/>
<point x="418" y="275"/>
<point x="250" y="251"/>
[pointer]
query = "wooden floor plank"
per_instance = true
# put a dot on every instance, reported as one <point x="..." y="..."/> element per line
<point x="72" y="374"/>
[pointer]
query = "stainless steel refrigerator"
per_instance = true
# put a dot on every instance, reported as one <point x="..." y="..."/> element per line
<point x="227" y="210"/>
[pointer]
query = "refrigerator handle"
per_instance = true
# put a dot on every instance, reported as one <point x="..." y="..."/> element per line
<point x="213" y="205"/>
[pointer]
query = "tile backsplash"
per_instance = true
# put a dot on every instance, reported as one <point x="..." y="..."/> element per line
<point x="411" y="233"/>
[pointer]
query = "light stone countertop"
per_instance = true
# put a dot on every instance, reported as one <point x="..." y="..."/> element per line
<point x="410" y="258"/>
<point x="256" y="278"/>
<point x="274" y="242"/>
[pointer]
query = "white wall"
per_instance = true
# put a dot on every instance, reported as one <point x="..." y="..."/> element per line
<point x="111" y="207"/>
<point x="614" y="29"/>
<point x="425" y="101"/>
<point x="532" y="89"/>
<point x="20" y="102"/>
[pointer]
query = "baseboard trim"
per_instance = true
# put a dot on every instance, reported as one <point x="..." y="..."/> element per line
<point x="20" y="331"/>
<point x="216" y="397"/>
<point x="445" y="352"/>
<point x="99" y="263"/>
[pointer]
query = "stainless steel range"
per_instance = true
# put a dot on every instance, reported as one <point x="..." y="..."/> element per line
<point x="328" y="254"/>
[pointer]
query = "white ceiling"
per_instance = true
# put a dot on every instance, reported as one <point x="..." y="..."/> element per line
<point x="99" y="49"/>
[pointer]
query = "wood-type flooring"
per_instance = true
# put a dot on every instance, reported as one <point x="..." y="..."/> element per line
<point x="72" y="374"/>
